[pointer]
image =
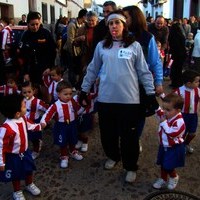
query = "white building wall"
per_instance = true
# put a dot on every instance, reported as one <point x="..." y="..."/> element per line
<point x="20" y="7"/>
<point x="186" y="11"/>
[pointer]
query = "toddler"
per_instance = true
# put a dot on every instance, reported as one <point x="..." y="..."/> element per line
<point x="34" y="108"/>
<point x="51" y="78"/>
<point x="64" y="111"/>
<point x="190" y="92"/>
<point x="171" y="153"/>
<point x="16" y="163"/>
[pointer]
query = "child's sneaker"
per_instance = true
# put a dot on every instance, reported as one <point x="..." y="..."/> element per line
<point x="78" y="144"/>
<point x="189" y="149"/>
<point x="75" y="155"/>
<point x="84" y="147"/>
<point x="130" y="176"/>
<point x="18" y="195"/>
<point x="64" y="162"/>
<point x="173" y="182"/>
<point x="160" y="183"/>
<point x="35" y="155"/>
<point x="110" y="164"/>
<point x="33" y="189"/>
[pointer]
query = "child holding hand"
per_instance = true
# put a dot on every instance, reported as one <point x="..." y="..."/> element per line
<point x="171" y="153"/>
<point x="64" y="111"/>
<point x="16" y="163"/>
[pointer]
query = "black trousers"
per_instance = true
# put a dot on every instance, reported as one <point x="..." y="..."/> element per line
<point x="119" y="138"/>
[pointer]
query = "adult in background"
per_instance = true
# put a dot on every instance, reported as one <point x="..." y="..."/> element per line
<point x="72" y="49"/>
<point x="178" y="51"/>
<point x="160" y="31"/>
<point x="23" y="22"/>
<point x="101" y="29"/>
<point x="138" y="28"/>
<point x="119" y="62"/>
<point x="186" y="27"/>
<point x="87" y="31"/>
<point x="38" y="48"/>
<point x="196" y="51"/>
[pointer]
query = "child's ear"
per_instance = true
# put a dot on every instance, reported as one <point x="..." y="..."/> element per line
<point x="17" y="115"/>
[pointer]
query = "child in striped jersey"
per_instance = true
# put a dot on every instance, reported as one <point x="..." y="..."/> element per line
<point x="171" y="153"/>
<point x="34" y="109"/>
<point x="16" y="163"/>
<point x="190" y="92"/>
<point x="64" y="111"/>
<point x="51" y="77"/>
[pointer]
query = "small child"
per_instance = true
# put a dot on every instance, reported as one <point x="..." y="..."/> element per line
<point x="64" y="111"/>
<point x="10" y="87"/>
<point x="190" y="92"/>
<point x="16" y="163"/>
<point x="189" y="44"/>
<point x="86" y="119"/>
<point x="171" y="153"/>
<point x="160" y="51"/>
<point x="34" y="108"/>
<point x="51" y="77"/>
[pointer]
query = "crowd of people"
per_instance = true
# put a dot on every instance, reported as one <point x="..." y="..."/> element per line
<point x="116" y="68"/>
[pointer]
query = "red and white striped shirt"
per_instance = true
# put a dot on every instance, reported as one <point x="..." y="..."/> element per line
<point x="62" y="112"/>
<point x="13" y="136"/>
<point x="34" y="108"/>
<point x="191" y="98"/>
<point x="51" y="85"/>
<point x="7" y="36"/>
<point x="6" y="90"/>
<point x="170" y="131"/>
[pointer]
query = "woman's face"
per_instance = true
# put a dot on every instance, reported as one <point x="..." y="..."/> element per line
<point x="92" y="21"/>
<point x="116" y="28"/>
<point x="34" y="25"/>
<point x="128" y="18"/>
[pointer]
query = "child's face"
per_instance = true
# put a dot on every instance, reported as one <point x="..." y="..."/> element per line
<point x="159" y="46"/>
<point x="11" y="83"/>
<point x="194" y="84"/>
<point x="65" y="95"/>
<point x="169" y="110"/>
<point x="190" y="37"/>
<point x="55" y="76"/>
<point x="27" y="92"/>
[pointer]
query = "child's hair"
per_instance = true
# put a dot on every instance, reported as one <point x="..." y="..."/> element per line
<point x="189" y="76"/>
<point x="176" y="100"/>
<point x="10" y="105"/>
<point x="190" y="35"/>
<point x="58" y="70"/>
<point x="63" y="85"/>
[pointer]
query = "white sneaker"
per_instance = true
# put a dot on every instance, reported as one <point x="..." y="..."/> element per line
<point x="79" y="144"/>
<point x="84" y="147"/>
<point x="189" y="149"/>
<point x="75" y="155"/>
<point x="172" y="182"/>
<point x="35" y="155"/>
<point x="160" y="183"/>
<point x="33" y="189"/>
<point x="18" y="195"/>
<point x="64" y="162"/>
<point x="110" y="164"/>
<point x="130" y="176"/>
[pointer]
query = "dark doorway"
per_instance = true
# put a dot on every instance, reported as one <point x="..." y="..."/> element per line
<point x="194" y="8"/>
<point x="178" y="9"/>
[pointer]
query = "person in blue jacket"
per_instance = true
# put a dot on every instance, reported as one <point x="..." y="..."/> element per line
<point x="138" y="28"/>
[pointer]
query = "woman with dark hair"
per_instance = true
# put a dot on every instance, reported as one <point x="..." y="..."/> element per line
<point x="178" y="51"/>
<point x="138" y="28"/>
<point x="119" y="62"/>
